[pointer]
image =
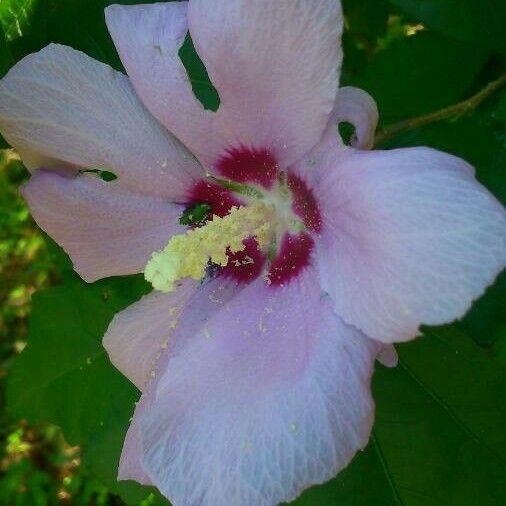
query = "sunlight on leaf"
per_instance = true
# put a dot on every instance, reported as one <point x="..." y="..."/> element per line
<point x="15" y="17"/>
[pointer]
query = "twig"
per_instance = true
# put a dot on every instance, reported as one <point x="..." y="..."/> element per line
<point x="445" y="113"/>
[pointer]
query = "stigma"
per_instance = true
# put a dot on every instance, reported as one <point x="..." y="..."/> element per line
<point x="188" y="255"/>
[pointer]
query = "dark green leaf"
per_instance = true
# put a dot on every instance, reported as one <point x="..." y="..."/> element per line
<point x="405" y="82"/>
<point x="500" y="112"/>
<point x="439" y="425"/>
<point x="478" y="22"/>
<point x="366" y="20"/>
<point x="5" y="54"/>
<point x="486" y="321"/>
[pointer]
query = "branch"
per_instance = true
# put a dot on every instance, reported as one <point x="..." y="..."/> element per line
<point x="448" y="112"/>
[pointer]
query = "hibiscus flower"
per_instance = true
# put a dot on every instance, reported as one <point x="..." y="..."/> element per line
<point x="255" y="367"/>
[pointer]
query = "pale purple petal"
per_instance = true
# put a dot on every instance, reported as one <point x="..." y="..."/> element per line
<point x="409" y="237"/>
<point x="106" y="229"/>
<point x="148" y="39"/>
<point x="138" y="335"/>
<point x="388" y="356"/>
<point x="270" y="395"/>
<point x="211" y="297"/>
<point x="354" y="106"/>
<point x="275" y="66"/>
<point x="130" y="467"/>
<point x="357" y="107"/>
<point x="307" y="167"/>
<point x="61" y="105"/>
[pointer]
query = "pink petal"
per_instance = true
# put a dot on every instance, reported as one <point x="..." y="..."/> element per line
<point x="357" y="107"/>
<point x="60" y="107"/>
<point x="354" y="106"/>
<point x="148" y="39"/>
<point x="269" y="396"/>
<point x="106" y="229"/>
<point x="388" y="356"/>
<point x="130" y="467"/>
<point x="409" y="237"/>
<point x="210" y="298"/>
<point x="275" y="66"/>
<point x="137" y="336"/>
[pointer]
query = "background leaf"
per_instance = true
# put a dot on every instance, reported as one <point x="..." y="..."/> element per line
<point x="16" y="17"/>
<point x="367" y="20"/>
<point x="478" y="22"/>
<point x="405" y="82"/>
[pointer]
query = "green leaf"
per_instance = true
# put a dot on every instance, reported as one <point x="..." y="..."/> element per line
<point x="64" y="375"/>
<point x="5" y="54"/>
<point x="406" y="82"/>
<point x="478" y="22"/>
<point x="440" y="422"/>
<point x="16" y="16"/>
<point x="499" y="347"/>
<point x="486" y="321"/>
<point x="366" y="20"/>
<point x="500" y="113"/>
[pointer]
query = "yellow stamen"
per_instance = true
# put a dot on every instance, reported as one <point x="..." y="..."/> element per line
<point x="187" y="255"/>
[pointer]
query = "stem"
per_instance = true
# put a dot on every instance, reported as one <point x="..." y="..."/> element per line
<point x="447" y="112"/>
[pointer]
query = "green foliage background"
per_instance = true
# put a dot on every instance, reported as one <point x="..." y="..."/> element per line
<point x="439" y="437"/>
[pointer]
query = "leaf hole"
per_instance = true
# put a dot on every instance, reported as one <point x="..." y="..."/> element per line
<point x="104" y="175"/>
<point x="347" y="132"/>
<point x="202" y="87"/>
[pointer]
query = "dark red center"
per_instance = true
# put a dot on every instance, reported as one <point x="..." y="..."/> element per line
<point x="254" y="166"/>
<point x="217" y="198"/>
<point x="260" y="167"/>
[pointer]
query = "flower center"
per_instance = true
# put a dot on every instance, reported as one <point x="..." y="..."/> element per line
<point x="261" y="223"/>
<point x="188" y="255"/>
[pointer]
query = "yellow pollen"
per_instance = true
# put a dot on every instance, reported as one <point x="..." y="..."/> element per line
<point x="187" y="255"/>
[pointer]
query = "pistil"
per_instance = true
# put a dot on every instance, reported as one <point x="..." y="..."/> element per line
<point x="188" y="255"/>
